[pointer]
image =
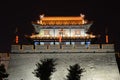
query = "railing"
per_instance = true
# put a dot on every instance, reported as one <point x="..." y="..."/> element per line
<point x="63" y="37"/>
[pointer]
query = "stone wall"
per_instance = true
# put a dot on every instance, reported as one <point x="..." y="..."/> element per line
<point x="98" y="66"/>
<point x="4" y="59"/>
<point x="98" y="60"/>
<point x="27" y="48"/>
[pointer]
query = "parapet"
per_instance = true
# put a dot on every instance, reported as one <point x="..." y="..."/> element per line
<point x="63" y="48"/>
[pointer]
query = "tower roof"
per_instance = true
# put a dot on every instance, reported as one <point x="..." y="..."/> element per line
<point x="62" y="20"/>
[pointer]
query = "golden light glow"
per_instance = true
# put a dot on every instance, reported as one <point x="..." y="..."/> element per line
<point x="61" y="20"/>
<point x="62" y="36"/>
<point x="49" y="21"/>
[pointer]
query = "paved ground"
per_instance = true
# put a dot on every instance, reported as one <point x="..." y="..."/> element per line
<point x="98" y="66"/>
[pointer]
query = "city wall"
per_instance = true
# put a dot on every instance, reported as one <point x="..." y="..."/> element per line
<point x="98" y="60"/>
<point x="63" y="48"/>
<point x="98" y="66"/>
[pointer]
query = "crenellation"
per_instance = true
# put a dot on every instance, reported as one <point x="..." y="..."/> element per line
<point x="63" y="48"/>
<point x="27" y="48"/>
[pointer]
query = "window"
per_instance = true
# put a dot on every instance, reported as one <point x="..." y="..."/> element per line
<point x="77" y="32"/>
<point x="46" y="32"/>
<point x="62" y="32"/>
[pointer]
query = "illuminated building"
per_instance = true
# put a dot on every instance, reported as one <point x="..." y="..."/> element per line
<point x="62" y="30"/>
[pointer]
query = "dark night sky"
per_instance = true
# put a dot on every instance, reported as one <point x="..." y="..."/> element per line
<point x="20" y="14"/>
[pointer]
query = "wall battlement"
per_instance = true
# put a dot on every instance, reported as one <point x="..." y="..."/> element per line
<point x="63" y="48"/>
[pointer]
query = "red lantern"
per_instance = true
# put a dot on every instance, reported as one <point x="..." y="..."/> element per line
<point x="106" y="38"/>
<point x="17" y="38"/>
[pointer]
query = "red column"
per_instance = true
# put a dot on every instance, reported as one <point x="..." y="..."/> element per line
<point x="60" y="38"/>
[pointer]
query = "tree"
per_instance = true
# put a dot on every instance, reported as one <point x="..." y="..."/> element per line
<point x="3" y="73"/>
<point x="45" y="69"/>
<point x="75" y="72"/>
